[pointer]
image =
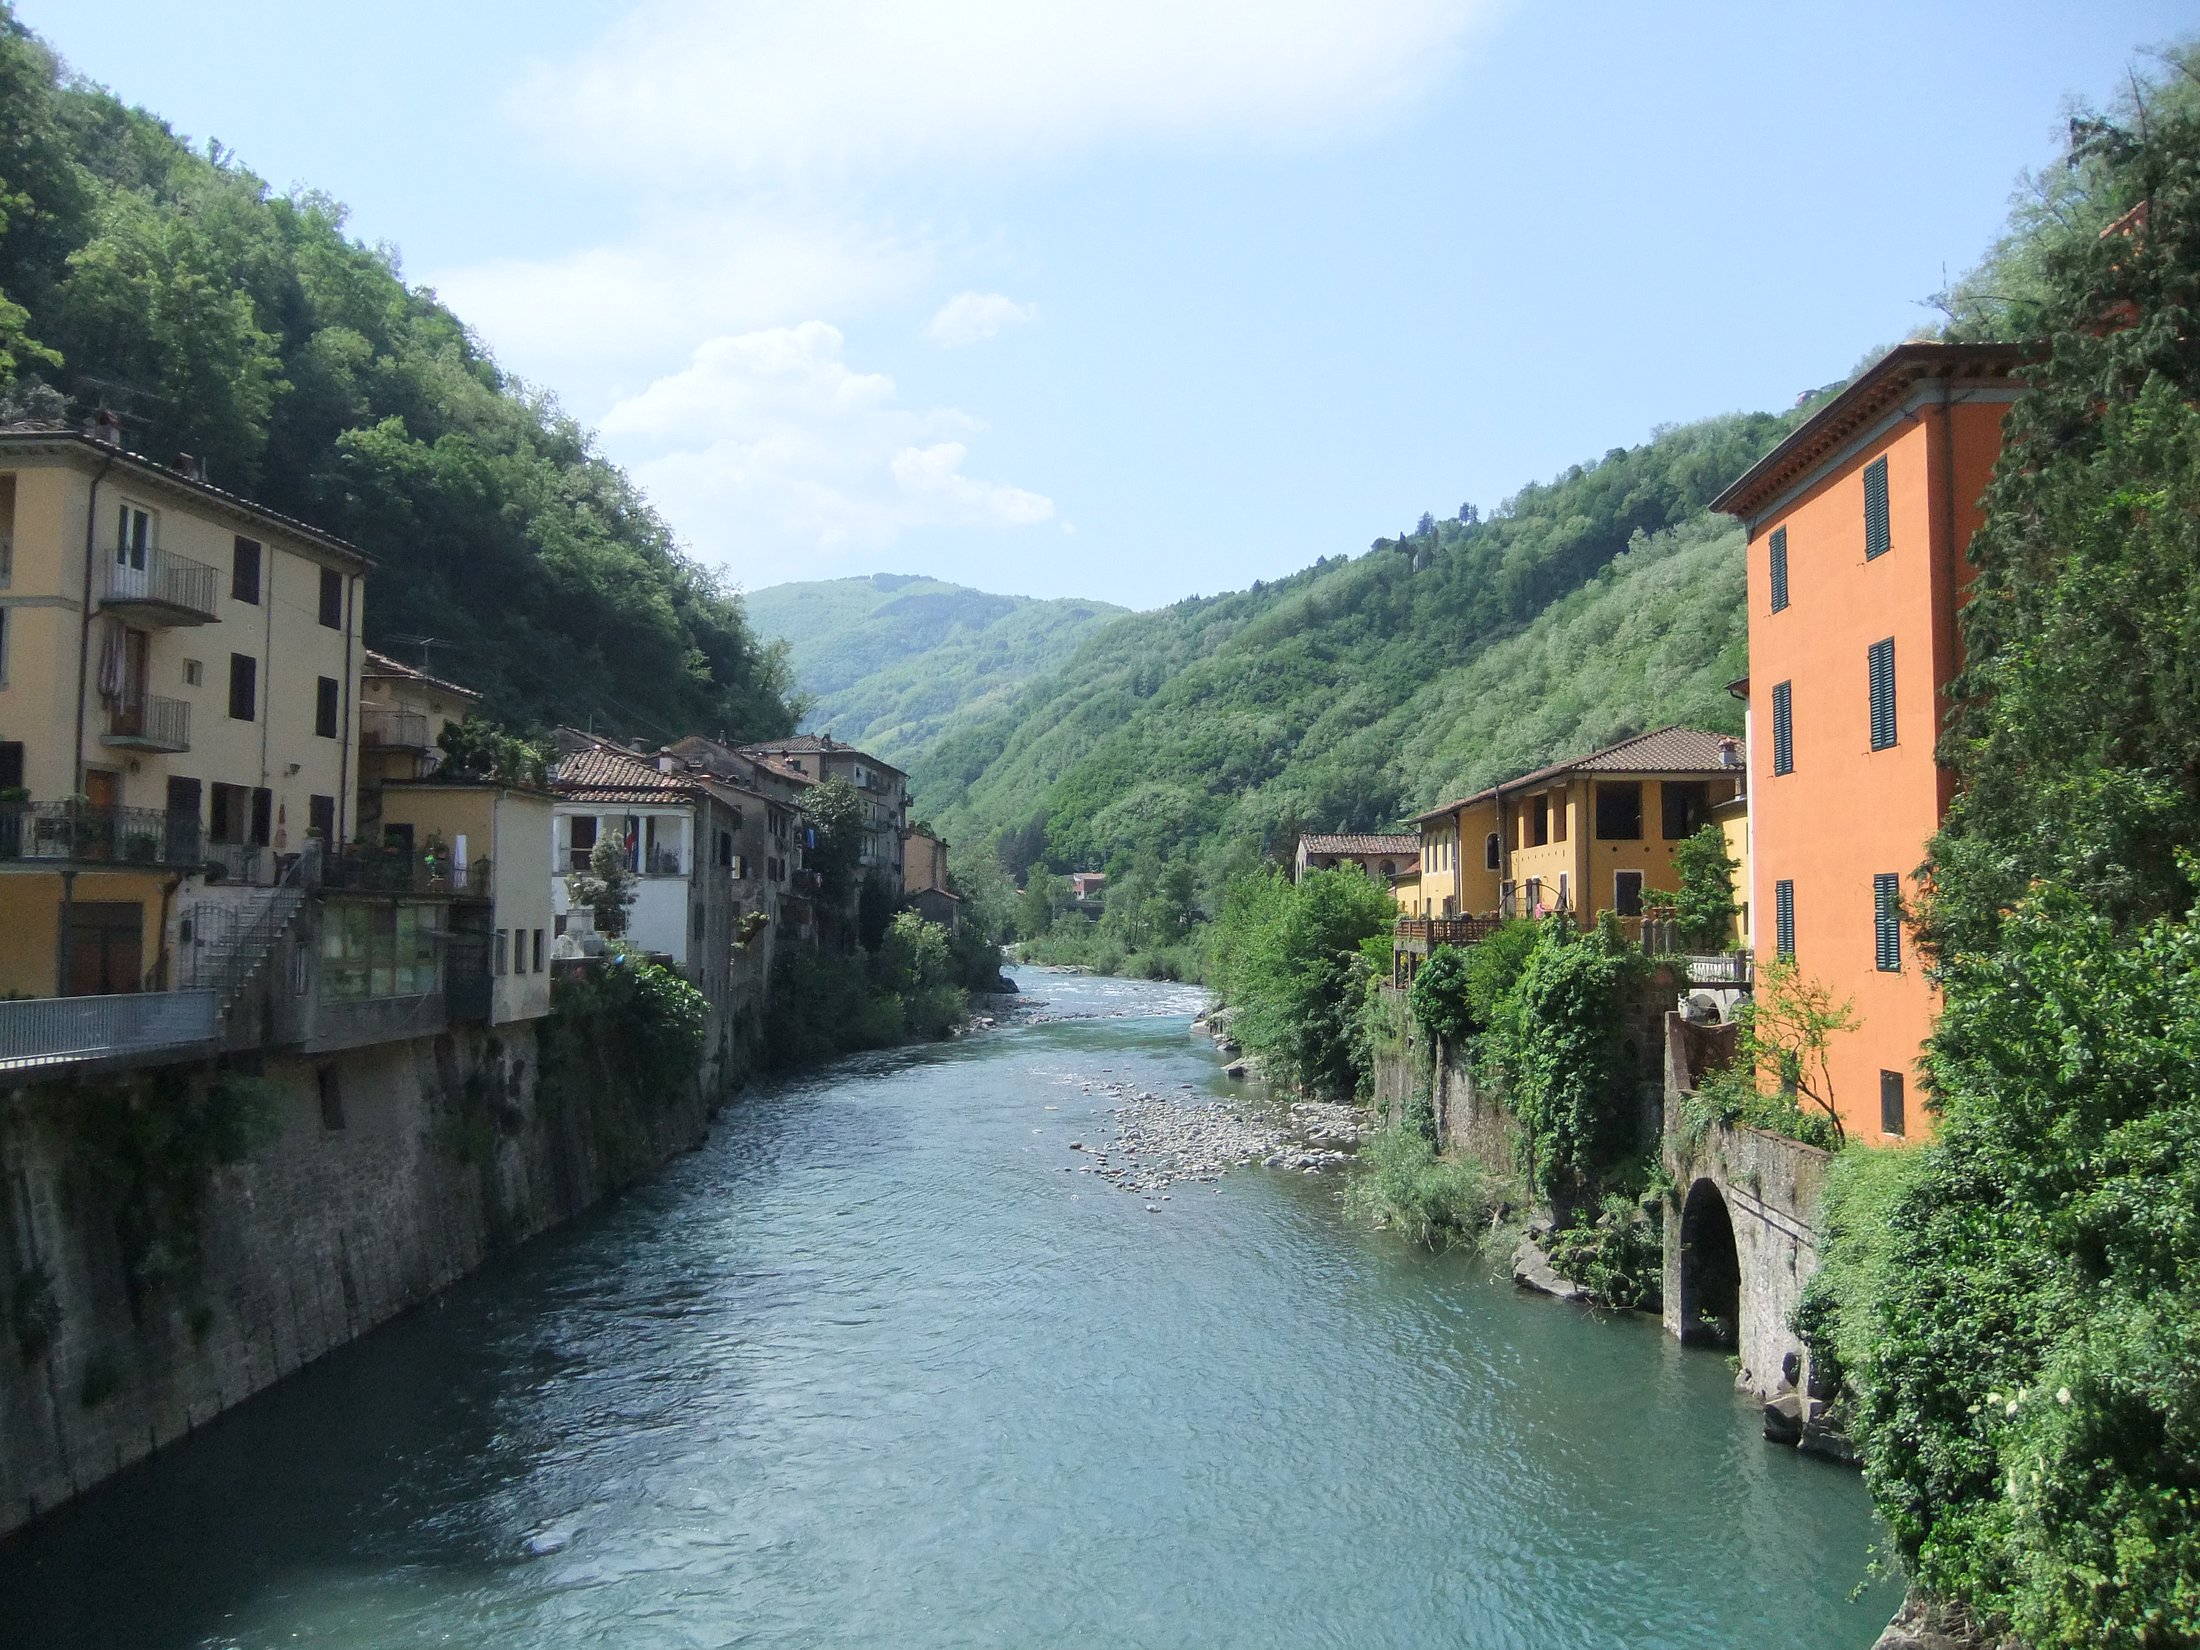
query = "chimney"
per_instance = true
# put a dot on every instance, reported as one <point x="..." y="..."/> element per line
<point x="105" y="427"/>
<point x="666" y="761"/>
<point x="192" y="469"/>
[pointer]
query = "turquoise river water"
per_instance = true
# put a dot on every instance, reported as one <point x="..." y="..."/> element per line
<point x="870" y="1370"/>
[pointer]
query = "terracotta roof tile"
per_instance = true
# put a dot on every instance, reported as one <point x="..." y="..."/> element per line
<point x="601" y="773"/>
<point x="1663" y="750"/>
<point x="382" y="665"/>
<point x="1359" y="842"/>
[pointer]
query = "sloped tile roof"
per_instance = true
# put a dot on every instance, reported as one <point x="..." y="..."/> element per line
<point x="1663" y="750"/>
<point x="600" y="773"/>
<point x="1359" y="842"/>
<point x="382" y="665"/>
<point x="814" y="744"/>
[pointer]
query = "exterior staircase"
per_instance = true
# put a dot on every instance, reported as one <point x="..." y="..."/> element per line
<point x="234" y="933"/>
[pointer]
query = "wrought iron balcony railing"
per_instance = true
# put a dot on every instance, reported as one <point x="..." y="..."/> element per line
<point x="156" y="587"/>
<point x="84" y="832"/>
<point x="393" y="730"/>
<point x="150" y="723"/>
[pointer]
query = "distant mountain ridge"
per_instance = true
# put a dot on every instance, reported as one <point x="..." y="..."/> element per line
<point x="1351" y="693"/>
<point x="886" y="660"/>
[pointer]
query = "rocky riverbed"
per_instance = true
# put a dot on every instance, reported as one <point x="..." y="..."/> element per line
<point x="1163" y="1139"/>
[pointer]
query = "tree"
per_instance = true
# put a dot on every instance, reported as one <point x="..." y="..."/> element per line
<point x="841" y="816"/>
<point x="607" y="887"/>
<point x="1780" y="1078"/>
<point x="1704" y="908"/>
<point x="479" y="750"/>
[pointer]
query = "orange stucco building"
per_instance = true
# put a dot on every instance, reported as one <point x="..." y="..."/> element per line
<point x="1857" y="529"/>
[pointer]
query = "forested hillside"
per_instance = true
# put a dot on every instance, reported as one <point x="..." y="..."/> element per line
<point x="1363" y="688"/>
<point x="241" y="326"/>
<point x="884" y="661"/>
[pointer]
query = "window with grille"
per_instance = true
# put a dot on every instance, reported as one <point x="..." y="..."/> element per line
<point x="1783" y="727"/>
<point x="1877" y="537"/>
<point x="1887" y="922"/>
<point x="1879" y="667"/>
<point x="1779" y="568"/>
<point x="1783" y="917"/>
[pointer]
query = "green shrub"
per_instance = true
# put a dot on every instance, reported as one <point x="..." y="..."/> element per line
<point x="1618" y="1254"/>
<point x="1558" y="1043"/>
<point x="1287" y="957"/>
<point x="1403" y="1184"/>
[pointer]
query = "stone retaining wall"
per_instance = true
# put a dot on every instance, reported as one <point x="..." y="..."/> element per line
<point x="397" y="1169"/>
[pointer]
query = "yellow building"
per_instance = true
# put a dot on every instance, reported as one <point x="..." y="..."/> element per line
<point x="1583" y="836"/>
<point x="402" y="715"/>
<point x="179" y="676"/>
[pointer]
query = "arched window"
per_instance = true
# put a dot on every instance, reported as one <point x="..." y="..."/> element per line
<point x="1490" y="852"/>
<point x="1390" y="868"/>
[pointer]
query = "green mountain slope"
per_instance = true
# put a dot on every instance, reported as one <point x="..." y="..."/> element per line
<point x="1361" y="689"/>
<point x="221" y="319"/>
<point x="886" y="660"/>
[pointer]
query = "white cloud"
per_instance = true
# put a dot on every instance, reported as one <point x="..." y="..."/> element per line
<point x="748" y="89"/>
<point x="638" y="307"/>
<point x="775" y="457"/>
<point x="973" y="317"/>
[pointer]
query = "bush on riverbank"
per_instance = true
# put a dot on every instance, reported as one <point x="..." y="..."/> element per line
<point x="1286" y="956"/>
<point x="915" y="987"/>
<point x="1077" y="943"/>
<point x="1404" y="1185"/>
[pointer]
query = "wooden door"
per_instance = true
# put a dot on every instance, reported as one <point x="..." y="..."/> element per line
<point x="106" y="940"/>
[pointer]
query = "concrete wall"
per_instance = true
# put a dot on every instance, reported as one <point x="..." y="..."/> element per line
<point x="397" y="1169"/>
<point x="1768" y="1189"/>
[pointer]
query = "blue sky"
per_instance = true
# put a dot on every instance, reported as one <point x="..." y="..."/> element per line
<point x="1140" y="300"/>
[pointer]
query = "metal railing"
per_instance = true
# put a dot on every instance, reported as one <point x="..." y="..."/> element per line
<point x="83" y="831"/>
<point x="367" y="870"/>
<point x="230" y="943"/>
<point x="60" y="1031"/>
<point x="149" y="723"/>
<point x="165" y="581"/>
<point x="395" y="730"/>
<point x="1430" y="932"/>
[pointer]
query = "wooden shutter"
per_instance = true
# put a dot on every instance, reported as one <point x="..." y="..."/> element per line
<point x="1783" y="727"/>
<point x="1879" y="668"/>
<point x="1887" y="922"/>
<point x="1877" y="538"/>
<point x="1783" y="921"/>
<point x="1779" y="568"/>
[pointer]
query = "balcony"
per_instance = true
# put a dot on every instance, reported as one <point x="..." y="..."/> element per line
<point x="150" y="723"/>
<point x="367" y="870"/>
<point x="167" y="590"/>
<point x="65" y="1031"/>
<point x="79" y="832"/>
<point x="394" y="730"/>
<point x="1421" y="935"/>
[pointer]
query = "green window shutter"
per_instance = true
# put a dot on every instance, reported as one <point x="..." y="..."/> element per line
<point x="1878" y="539"/>
<point x="1887" y="922"/>
<point x="1879" y="671"/>
<point x="1783" y="917"/>
<point x="1783" y="728"/>
<point x="1779" y="569"/>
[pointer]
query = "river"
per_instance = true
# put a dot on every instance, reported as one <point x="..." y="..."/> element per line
<point x="871" y="1370"/>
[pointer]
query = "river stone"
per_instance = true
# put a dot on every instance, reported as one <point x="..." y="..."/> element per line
<point x="1784" y="1419"/>
<point x="1532" y="1270"/>
<point x="1822" y="1436"/>
<point x="1917" y="1626"/>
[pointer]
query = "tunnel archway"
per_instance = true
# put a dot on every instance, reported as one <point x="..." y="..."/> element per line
<point x="1711" y="1271"/>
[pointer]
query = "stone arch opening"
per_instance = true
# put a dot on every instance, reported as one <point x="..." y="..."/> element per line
<point x="1711" y="1271"/>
